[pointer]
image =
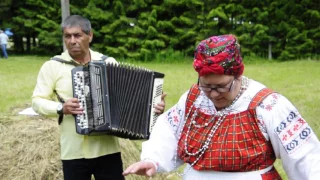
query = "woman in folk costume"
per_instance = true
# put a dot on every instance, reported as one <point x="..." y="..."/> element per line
<point x="229" y="127"/>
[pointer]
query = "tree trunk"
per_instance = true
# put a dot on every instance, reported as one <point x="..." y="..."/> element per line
<point x="65" y="12"/>
<point x="34" y="42"/>
<point x="28" y="43"/>
<point x="270" y="51"/>
<point x="18" y="44"/>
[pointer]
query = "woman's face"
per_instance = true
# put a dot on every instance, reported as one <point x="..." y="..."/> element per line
<point x="220" y="89"/>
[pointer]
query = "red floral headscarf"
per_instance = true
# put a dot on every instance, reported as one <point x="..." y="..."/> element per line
<point x="218" y="55"/>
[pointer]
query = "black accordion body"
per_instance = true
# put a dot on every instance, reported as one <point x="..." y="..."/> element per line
<point x="118" y="99"/>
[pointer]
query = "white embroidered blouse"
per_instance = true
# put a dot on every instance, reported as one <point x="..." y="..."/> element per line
<point x="293" y="140"/>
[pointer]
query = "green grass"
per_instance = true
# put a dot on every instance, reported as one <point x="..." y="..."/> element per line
<point x="17" y="80"/>
<point x="297" y="80"/>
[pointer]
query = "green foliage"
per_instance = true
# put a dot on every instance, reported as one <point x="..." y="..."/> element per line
<point x="286" y="54"/>
<point x="284" y="29"/>
<point x="219" y="13"/>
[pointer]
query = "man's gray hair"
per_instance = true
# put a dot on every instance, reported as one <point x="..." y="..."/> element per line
<point x="77" y="21"/>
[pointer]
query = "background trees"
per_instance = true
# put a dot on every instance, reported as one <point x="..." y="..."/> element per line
<point x="142" y="29"/>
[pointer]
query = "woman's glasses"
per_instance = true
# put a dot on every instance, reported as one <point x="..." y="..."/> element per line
<point x="217" y="89"/>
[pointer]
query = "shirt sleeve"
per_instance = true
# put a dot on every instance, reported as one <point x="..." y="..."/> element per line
<point x="111" y="60"/>
<point x="42" y="102"/>
<point x="161" y="147"/>
<point x="293" y="140"/>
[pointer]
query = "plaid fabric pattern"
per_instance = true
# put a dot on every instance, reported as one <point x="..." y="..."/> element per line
<point x="237" y="145"/>
<point x="271" y="175"/>
<point x="262" y="94"/>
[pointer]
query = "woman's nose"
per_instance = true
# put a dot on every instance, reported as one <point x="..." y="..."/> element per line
<point x="214" y="94"/>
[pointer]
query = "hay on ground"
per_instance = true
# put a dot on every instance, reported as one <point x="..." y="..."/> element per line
<point x="29" y="149"/>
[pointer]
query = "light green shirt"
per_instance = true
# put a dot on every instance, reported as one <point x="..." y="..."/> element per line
<point x="55" y="75"/>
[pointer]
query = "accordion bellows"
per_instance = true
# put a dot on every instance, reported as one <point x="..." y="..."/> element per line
<point x="118" y="99"/>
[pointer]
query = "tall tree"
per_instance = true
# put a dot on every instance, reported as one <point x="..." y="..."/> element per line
<point x="143" y="29"/>
<point x="38" y="20"/>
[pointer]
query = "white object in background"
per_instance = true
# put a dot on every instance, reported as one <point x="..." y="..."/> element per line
<point x="29" y="111"/>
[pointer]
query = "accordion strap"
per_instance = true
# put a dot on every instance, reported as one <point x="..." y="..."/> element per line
<point x="60" y="118"/>
<point x="64" y="61"/>
<point x="103" y="57"/>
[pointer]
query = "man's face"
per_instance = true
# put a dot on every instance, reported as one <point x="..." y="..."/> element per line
<point x="77" y="42"/>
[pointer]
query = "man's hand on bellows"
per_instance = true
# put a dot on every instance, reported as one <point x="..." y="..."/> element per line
<point x="159" y="108"/>
<point x="143" y="168"/>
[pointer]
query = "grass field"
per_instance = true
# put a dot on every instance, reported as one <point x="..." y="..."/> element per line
<point x="24" y="154"/>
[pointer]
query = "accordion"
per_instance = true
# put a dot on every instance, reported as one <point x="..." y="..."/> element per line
<point x="118" y="99"/>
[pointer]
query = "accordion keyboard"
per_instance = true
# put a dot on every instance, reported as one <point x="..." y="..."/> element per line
<point x="80" y="91"/>
<point x="156" y="94"/>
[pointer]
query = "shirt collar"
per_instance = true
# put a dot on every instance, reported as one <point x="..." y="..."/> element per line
<point x="94" y="56"/>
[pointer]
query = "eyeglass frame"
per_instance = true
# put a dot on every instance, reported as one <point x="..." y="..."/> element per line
<point x="228" y="89"/>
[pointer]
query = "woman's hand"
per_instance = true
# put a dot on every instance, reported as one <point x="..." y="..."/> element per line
<point x="142" y="168"/>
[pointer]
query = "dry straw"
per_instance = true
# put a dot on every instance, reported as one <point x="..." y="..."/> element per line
<point x="29" y="149"/>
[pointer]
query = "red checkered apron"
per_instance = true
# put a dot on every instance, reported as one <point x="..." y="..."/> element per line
<point x="237" y="145"/>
